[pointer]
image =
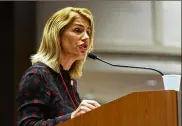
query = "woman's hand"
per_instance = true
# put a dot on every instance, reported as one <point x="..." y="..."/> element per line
<point x="85" y="106"/>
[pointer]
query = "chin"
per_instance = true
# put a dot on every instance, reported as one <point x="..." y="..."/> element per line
<point x="81" y="57"/>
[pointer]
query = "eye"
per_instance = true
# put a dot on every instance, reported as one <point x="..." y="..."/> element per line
<point x="77" y="30"/>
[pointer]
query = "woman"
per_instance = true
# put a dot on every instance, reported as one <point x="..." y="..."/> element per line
<point x="47" y="92"/>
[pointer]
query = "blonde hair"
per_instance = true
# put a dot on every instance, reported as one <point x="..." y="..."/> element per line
<point x="49" y="50"/>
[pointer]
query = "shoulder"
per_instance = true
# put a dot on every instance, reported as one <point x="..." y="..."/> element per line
<point x="34" y="75"/>
<point x="34" y="69"/>
<point x="38" y="69"/>
<point x="32" y="82"/>
<point x="37" y="73"/>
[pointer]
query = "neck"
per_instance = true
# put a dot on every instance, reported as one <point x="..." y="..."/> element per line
<point x="66" y="62"/>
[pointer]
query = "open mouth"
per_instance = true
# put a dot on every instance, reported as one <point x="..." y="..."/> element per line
<point x="83" y="47"/>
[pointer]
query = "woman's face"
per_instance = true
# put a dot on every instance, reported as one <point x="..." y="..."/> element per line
<point x="75" y="39"/>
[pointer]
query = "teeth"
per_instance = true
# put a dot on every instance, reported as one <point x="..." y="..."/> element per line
<point x="84" y="46"/>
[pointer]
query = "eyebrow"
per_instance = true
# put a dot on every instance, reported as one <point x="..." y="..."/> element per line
<point x="89" y="28"/>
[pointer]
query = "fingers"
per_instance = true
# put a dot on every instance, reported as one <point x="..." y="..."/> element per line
<point x="92" y="102"/>
<point x="81" y="110"/>
<point x="80" y="113"/>
<point x="85" y="106"/>
<point x="88" y="105"/>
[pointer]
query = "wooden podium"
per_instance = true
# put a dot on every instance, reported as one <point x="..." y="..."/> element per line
<point x="150" y="108"/>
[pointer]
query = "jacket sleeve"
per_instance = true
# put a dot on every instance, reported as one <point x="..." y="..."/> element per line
<point x="32" y="98"/>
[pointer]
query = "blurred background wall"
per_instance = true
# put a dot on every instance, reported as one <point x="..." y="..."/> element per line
<point x="138" y="33"/>
<point x="24" y="43"/>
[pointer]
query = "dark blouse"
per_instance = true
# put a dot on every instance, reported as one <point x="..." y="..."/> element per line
<point x="42" y="96"/>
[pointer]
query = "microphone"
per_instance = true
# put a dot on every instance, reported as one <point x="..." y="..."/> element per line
<point x="95" y="57"/>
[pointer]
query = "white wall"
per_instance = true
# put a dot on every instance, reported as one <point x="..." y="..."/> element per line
<point x="128" y="26"/>
<point x="171" y="11"/>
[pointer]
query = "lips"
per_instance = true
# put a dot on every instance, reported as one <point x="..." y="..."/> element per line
<point x="83" y="46"/>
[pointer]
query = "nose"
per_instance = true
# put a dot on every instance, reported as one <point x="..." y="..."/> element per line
<point x="85" y="37"/>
